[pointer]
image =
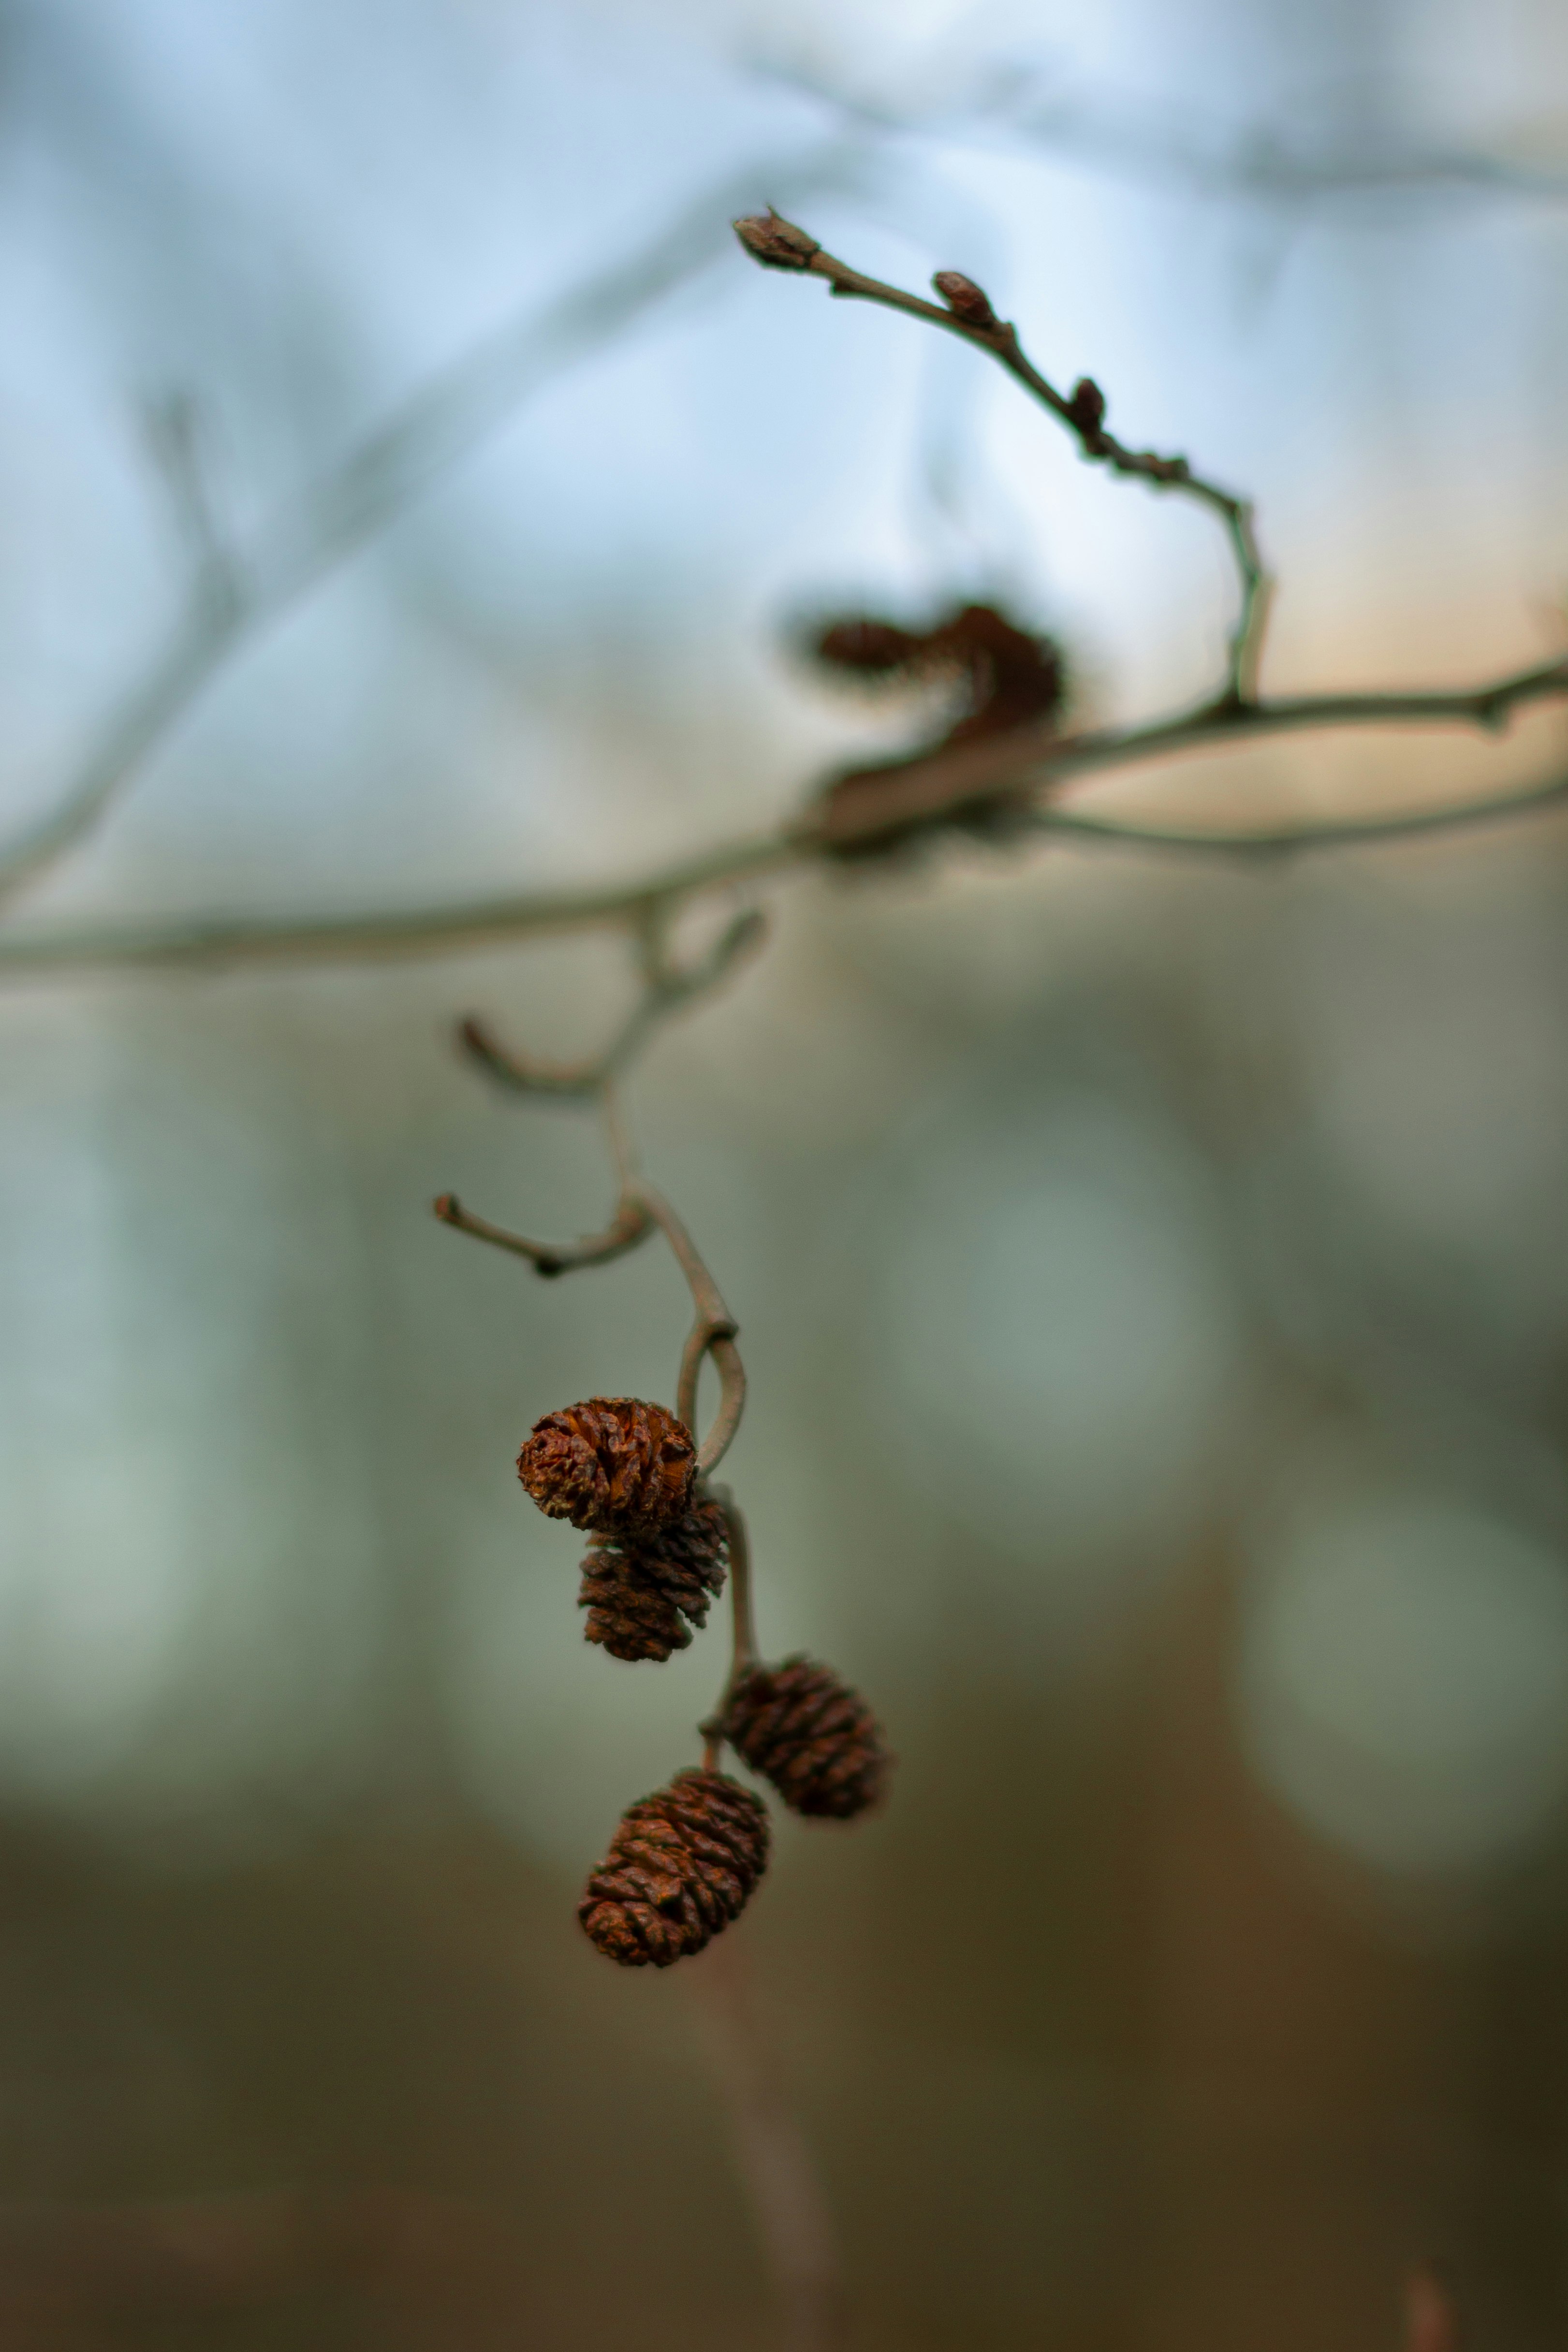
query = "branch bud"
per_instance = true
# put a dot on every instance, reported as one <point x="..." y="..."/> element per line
<point x="776" y="243"/>
<point x="1087" y="406"/>
<point x="965" y="299"/>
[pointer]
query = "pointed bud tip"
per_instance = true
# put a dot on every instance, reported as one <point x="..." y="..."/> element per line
<point x="776" y="243"/>
<point x="1087" y="405"/>
<point x="965" y="298"/>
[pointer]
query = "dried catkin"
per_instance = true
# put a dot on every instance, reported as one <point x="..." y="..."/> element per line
<point x="611" y="1463"/>
<point x="680" y="1866"/>
<point x="639" y="1589"/>
<point x="813" y="1736"/>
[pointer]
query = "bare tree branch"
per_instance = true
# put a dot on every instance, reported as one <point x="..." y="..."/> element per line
<point x="933" y="792"/>
<point x="667" y="988"/>
<point x="638" y="1211"/>
<point x="1269" y="162"/>
<point x="778" y="243"/>
<point x="438" y="425"/>
<point x="630" y="1225"/>
<point x="217" y="941"/>
<point x="772" y="2156"/>
<point x="1002" y="776"/>
<point x="937" y="789"/>
<point x="1265" y="843"/>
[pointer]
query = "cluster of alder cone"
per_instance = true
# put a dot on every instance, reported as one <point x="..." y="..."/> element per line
<point x="684" y="1860"/>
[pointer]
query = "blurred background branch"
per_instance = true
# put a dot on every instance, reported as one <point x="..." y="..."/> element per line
<point x="236" y="589"/>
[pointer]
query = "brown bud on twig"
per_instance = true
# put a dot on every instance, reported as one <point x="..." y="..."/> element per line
<point x="680" y="1866"/>
<point x="638" y="1589"/>
<point x="611" y="1463"/>
<point x="1087" y="406"/>
<point x="776" y="243"/>
<point x="813" y="1736"/>
<point x="965" y="299"/>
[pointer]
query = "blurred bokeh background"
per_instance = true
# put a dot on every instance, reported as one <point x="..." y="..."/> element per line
<point x="1152" y="1279"/>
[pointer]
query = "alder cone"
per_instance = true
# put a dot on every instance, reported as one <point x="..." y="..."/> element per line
<point x="611" y="1463"/>
<point x="813" y="1736"/>
<point x="681" y="1865"/>
<point x="639" y="1589"/>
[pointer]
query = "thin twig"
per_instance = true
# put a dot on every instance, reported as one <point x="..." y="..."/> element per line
<point x="638" y="1209"/>
<point x="713" y="1335"/>
<point x="440" y="423"/>
<point x="1245" y="160"/>
<point x="631" y="1224"/>
<point x="177" y="440"/>
<point x="793" y="2215"/>
<point x="1265" y="843"/>
<point x="968" y="314"/>
<point x="217" y="942"/>
<point x="915" y="794"/>
<point x="743" y="1622"/>
<point x="667" y="988"/>
<point x="935" y="792"/>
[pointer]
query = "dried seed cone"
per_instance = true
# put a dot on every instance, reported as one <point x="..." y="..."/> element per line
<point x="680" y="1867"/>
<point x="612" y="1463"/>
<point x="813" y="1736"/>
<point x="639" y="1589"/>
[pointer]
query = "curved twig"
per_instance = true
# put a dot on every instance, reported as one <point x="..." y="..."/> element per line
<point x="666" y="988"/>
<point x="778" y="244"/>
<point x="631" y="1224"/>
<point x="711" y="1335"/>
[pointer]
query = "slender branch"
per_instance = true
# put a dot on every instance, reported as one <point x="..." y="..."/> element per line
<point x="217" y="942"/>
<point x="308" y="537"/>
<point x="742" y="1623"/>
<point x="711" y="1335"/>
<point x="934" y="792"/>
<point x="772" y="2156"/>
<point x="778" y="244"/>
<point x="631" y="1224"/>
<point x="667" y="988"/>
<point x="623" y="1153"/>
<point x="744" y="1630"/>
<point x="1269" y="842"/>
<point x="949" y="786"/>
<point x="176" y="439"/>
<point x="638" y="1209"/>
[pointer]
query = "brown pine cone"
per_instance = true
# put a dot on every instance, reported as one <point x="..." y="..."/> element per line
<point x="612" y="1463"/>
<point x="813" y="1736"/>
<point x="680" y="1866"/>
<point x="637" y="1588"/>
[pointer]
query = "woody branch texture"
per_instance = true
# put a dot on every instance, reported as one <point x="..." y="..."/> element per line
<point x="1003" y="772"/>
